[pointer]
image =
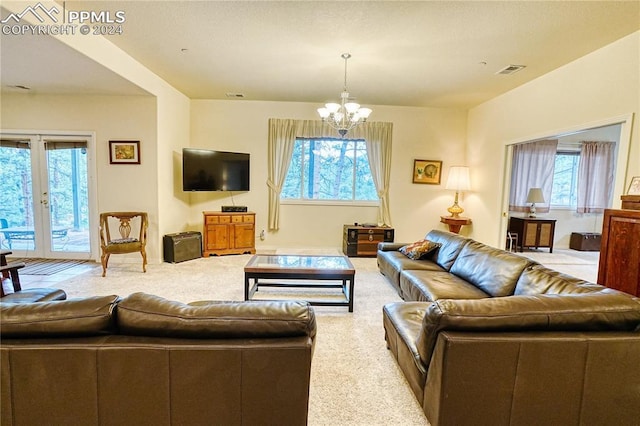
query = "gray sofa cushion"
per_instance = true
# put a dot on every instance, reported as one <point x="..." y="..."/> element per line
<point x="427" y="286"/>
<point x="149" y="315"/>
<point x="88" y="316"/>
<point x="492" y="270"/>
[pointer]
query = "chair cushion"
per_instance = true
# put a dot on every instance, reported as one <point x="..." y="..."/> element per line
<point x="124" y="241"/>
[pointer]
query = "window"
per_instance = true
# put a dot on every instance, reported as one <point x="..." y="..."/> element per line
<point x="565" y="180"/>
<point x="329" y="170"/>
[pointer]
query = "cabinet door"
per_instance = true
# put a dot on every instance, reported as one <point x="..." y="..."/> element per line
<point x="244" y="235"/>
<point x="620" y="251"/>
<point x="217" y="237"/>
<point x="530" y="238"/>
<point x="545" y="235"/>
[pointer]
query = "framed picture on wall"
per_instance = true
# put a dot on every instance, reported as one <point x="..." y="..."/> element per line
<point x="427" y="171"/>
<point x="124" y="152"/>
<point x="634" y="186"/>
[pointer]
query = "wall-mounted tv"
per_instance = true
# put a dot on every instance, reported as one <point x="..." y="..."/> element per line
<point x="206" y="170"/>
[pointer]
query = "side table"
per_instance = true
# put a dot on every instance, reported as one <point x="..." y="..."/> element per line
<point x="455" y="223"/>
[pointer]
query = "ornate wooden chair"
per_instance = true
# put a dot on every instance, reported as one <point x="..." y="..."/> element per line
<point x="122" y="224"/>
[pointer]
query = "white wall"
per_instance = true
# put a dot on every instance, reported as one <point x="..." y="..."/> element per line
<point x="120" y="187"/>
<point x="597" y="87"/>
<point x="423" y="133"/>
<point x="171" y="121"/>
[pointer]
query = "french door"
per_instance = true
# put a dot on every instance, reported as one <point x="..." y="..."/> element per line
<point x="45" y="208"/>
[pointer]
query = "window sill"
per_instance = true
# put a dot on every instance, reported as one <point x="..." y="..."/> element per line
<point x="330" y="203"/>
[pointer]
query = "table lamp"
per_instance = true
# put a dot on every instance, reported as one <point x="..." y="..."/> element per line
<point x="534" y="196"/>
<point x="458" y="180"/>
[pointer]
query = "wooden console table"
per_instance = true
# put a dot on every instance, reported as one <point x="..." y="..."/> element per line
<point x="455" y="223"/>
<point x="533" y="232"/>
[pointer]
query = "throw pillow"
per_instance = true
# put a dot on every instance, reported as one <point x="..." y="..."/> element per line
<point x="419" y="250"/>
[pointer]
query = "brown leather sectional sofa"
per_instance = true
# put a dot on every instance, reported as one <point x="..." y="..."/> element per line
<point x="145" y="360"/>
<point x="487" y="337"/>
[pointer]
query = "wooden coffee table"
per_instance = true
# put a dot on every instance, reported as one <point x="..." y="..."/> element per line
<point x="301" y="271"/>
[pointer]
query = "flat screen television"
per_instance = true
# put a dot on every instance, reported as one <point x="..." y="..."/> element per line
<point x="206" y="170"/>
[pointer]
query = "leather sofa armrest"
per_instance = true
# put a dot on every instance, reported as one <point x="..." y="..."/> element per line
<point x="580" y="312"/>
<point x="390" y="246"/>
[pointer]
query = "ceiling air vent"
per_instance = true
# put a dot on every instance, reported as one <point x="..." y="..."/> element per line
<point x="510" y="69"/>
<point x="234" y="95"/>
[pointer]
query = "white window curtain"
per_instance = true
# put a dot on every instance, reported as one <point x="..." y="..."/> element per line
<point x="595" y="176"/>
<point x="532" y="167"/>
<point x="282" y="137"/>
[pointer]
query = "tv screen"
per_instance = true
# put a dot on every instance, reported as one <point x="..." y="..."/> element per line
<point x="206" y="170"/>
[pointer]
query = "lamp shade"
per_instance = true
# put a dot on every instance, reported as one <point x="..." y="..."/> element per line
<point x="458" y="179"/>
<point x="535" y="196"/>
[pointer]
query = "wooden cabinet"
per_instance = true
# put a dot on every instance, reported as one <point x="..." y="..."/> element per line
<point x="619" y="265"/>
<point x="533" y="232"/>
<point x="362" y="241"/>
<point x="229" y="233"/>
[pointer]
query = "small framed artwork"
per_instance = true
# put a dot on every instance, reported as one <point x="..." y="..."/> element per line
<point x="427" y="171"/>
<point x="124" y="152"/>
<point x="634" y="186"/>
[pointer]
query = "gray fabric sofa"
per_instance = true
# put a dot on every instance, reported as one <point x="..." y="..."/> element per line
<point x="145" y="360"/>
<point x="487" y="337"/>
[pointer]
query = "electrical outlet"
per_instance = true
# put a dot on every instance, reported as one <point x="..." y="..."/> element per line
<point x="262" y="235"/>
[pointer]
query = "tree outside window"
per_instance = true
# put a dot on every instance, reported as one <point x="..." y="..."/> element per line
<point x="329" y="170"/>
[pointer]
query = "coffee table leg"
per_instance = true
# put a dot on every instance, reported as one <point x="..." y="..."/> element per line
<point x="246" y="287"/>
<point x="351" y="295"/>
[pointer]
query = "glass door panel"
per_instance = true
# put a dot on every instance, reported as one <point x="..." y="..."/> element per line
<point x="44" y="196"/>
<point x="17" y="221"/>
<point x="66" y="197"/>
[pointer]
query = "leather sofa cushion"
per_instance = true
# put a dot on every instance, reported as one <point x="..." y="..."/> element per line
<point x="74" y="317"/>
<point x="537" y="279"/>
<point x="392" y="263"/>
<point x="150" y="315"/>
<point x="583" y="312"/>
<point x="450" y="246"/>
<point x="492" y="270"/>
<point x="427" y="286"/>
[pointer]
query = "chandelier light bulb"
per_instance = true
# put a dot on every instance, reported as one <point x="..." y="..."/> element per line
<point x="345" y="115"/>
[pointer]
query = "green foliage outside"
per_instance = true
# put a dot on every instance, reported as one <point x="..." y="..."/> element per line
<point x="329" y="169"/>
<point x="67" y="187"/>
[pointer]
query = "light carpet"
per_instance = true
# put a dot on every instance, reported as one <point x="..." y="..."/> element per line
<point x="354" y="378"/>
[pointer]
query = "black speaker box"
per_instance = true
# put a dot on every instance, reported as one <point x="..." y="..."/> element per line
<point x="182" y="246"/>
<point x="227" y="209"/>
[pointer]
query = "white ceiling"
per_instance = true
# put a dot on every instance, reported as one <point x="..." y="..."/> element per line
<point x="418" y="53"/>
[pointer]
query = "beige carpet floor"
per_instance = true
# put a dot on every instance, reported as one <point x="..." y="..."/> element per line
<point x="354" y="379"/>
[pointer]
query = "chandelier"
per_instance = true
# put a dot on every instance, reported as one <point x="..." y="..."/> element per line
<point x="345" y="115"/>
